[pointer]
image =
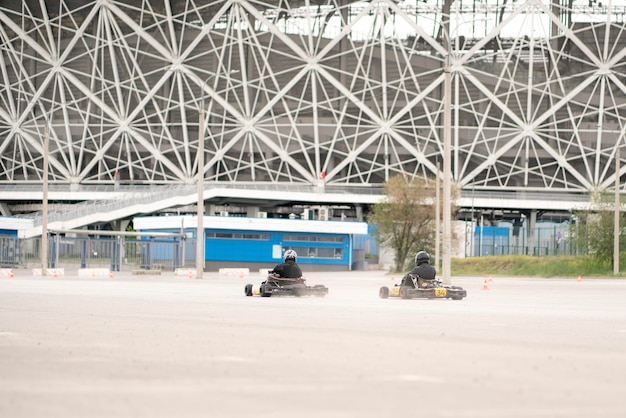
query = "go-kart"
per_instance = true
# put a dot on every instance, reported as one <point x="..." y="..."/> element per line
<point x="413" y="287"/>
<point x="282" y="286"/>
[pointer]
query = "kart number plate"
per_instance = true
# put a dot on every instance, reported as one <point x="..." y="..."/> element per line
<point x="440" y="292"/>
<point x="395" y="291"/>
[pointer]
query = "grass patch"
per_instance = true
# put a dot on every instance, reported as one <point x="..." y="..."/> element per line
<point x="554" y="266"/>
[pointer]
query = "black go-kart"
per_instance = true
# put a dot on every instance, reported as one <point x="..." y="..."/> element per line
<point x="282" y="286"/>
<point x="416" y="288"/>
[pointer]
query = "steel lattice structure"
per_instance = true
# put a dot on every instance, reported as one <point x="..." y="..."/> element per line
<point x="295" y="89"/>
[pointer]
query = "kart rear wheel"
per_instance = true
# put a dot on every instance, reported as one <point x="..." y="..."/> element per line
<point x="383" y="292"/>
<point x="299" y="290"/>
<point x="404" y="292"/>
<point x="248" y="290"/>
<point x="264" y="293"/>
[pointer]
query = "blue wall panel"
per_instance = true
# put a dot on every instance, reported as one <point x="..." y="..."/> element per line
<point x="239" y="247"/>
<point x="261" y="250"/>
<point x="232" y="249"/>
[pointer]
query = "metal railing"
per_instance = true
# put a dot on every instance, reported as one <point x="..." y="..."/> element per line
<point x="115" y="253"/>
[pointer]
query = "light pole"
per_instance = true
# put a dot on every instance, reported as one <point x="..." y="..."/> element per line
<point x="44" y="203"/>
<point x="447" y="165"/>
<point x="200" y="241"/>
<point x="447" y="152"/>
<point x="200" y="183"/>
<point x="616" y="215"/>
<point x="438" y="218"/>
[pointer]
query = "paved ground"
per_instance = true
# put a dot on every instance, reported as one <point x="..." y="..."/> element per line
<point x="136" y="346"/>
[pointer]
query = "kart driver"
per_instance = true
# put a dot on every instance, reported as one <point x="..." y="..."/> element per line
<point x="289" y="269"/>
<point x="423" y="271"/>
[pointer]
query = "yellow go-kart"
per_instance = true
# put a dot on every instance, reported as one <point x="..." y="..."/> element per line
<point x="416" y="288"/>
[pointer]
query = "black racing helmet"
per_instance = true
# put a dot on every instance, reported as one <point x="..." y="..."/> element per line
<point x="421" y="257"/>
<point x="290" y="255"/>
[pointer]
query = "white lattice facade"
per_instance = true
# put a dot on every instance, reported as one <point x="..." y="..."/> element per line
<point x="292" y="90"/>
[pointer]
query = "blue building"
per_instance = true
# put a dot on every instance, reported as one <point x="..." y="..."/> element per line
<point x="258" y="243"/>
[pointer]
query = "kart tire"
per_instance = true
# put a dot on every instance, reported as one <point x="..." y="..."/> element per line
<point x="248" y="290"/>
<point x="404" y="292"/>
<point x="264" y="293"/>
<point x="383" y="293"/>
<point x="319" y="291"/>
<point x="299" y="290"/>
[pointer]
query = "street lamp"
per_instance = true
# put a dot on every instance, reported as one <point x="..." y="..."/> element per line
<point x="447" y="155"/>
<point x="200" y="191"/>
<point x="447" y="166"/>
<point x="200" y="181"/>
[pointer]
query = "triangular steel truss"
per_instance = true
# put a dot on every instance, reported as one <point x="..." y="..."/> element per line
<point x="298" y="90"/>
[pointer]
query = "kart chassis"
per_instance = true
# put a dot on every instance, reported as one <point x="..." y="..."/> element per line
<point x="274" y="286"/>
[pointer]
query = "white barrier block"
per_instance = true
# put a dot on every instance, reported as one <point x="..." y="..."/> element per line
<point x="94" y="272"/>
<point x="50" y="272"/>
<point x="190" y="273"/>
<point x="237" y="272"/>
<point x="6" y="272"/>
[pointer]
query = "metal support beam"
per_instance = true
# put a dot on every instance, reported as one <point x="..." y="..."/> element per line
<point x="44" y="203"/>
<point x="200" y="182"/>
<point x="616" y="216"/>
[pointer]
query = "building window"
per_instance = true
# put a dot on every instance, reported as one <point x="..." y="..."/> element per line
<point x="230" y="235"/>
<point x="313" y="238"/>
<point x="317" y="252"/>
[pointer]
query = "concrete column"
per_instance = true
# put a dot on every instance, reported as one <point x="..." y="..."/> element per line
<point x="359" y="213"/>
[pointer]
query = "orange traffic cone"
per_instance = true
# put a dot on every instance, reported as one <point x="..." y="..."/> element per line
<point x="490" y="279"/>
<point x="190" y="275"/>
<point x="110" y="275"/>
<point x="485" y="287"/>
<point x="579" y="279"/>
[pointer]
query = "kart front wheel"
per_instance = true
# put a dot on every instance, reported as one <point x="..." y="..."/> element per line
<point x="319" y="291"/>
<point x="383" y="292"/>
<point x="248" y="290"/>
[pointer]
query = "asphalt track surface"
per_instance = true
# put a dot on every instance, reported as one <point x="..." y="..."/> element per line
<point x="136" y="346"/>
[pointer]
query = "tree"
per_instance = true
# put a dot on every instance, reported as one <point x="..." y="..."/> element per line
<point x="406" y="217"/>
<point x="594" y="227"/>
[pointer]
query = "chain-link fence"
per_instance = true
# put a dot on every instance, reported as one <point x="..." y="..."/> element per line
<point x="545" y="241"/>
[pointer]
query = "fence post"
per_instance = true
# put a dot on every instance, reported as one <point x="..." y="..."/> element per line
<point x="83" y="253"/>
<point x="148" y="254"/>
<point x="53" y="248"/>
<point x="175" y="254"/>
<point x="114" y="255"/>
<point x="536" y="243"/>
